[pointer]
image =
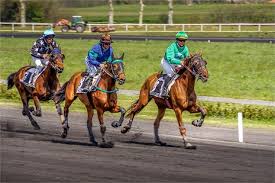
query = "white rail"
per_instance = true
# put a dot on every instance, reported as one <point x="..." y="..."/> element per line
<point x="218" y="27"/>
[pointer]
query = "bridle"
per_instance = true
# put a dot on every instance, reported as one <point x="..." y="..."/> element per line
<point x="193" y="67"/>
<point x="52" y="63"/>
<point x="113" y="74"/>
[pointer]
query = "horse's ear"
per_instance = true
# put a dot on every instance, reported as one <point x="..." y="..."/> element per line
<point x="191" y="55"/>
<point x="122" y="56"/>
<point x="200" y="53"/>
<point x="63" y="56"/>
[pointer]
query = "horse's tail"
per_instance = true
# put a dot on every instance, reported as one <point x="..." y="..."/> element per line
<point x="144" y="99"/>
<point x="10" y="80"/>
<point x="59" y="96"/>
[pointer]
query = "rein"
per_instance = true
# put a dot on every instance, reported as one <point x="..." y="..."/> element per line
<point x="112" y="76"/>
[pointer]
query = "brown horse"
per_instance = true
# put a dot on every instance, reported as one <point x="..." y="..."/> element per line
<point x="103" y="99"/>
<point x="45" y="87"/>
<point x="182" y="97"/>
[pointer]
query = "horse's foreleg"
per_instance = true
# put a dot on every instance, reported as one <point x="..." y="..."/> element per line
<point x="161" y="112"/>
<point x="122" y="111"/>
<point x="178" y="113"/>
<point x="26" y="110"/>
<point x="90" y="112"/>
<point x="101" y="123"/>
<point x="65" y="123"/>
<point x="59" y="112"/>
<point x="36" y="112"/>
<point x="196" y="109"/>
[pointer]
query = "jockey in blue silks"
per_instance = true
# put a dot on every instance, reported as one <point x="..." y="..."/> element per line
<point x="40" y="53"/>
<point x="95" y="59"/>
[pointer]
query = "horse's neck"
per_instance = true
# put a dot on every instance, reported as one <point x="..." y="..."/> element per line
<point x="49" y="75"/>
<point x="106" y="82"/>
<point x="189" y="79"/>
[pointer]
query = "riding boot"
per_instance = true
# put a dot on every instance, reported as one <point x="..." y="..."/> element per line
<point x="167" y="82"/>
<point x="34" y="77"/>
<point x="86" y="83"/>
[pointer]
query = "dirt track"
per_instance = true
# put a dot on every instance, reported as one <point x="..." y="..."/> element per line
<point x="42" y="156"/>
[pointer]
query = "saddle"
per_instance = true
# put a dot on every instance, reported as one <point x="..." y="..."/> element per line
<point x="163" y="85"/>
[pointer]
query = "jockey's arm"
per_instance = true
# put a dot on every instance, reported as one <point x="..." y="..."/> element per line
<point x="170" y="56"/>
<point x="92" y="57"/>
<point x="35" y="50"/>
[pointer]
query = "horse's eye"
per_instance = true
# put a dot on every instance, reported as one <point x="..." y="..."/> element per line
<point x="115" y="67"/>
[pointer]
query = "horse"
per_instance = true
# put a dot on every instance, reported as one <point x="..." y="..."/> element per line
<point x="45" y="86"/>
<point x="102" y="100"/>
<point x="182" y="96"/>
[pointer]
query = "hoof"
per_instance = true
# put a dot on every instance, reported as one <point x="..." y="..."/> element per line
<point x="24" y="113"/>
<point x="190" y="146"/>
<point x="125" y="129"/>
<point x="94" y="143"/>
<point x="106" y="145"/>
<point x="31" y="109"/>
<point x="36" y="127"/>
<point x="64" y="134"/>
<point x="160" y="143"/>
<point x="37" y="113"/>
<point x="197" y="123"/>
<point x="116" y="124"/>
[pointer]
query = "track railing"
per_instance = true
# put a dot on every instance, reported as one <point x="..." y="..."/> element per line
<point x="218" y="27"/>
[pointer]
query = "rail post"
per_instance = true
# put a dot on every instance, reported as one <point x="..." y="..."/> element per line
<point x="240" y="126"/>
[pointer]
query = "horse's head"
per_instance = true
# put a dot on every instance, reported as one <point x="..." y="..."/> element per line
<point x="56" y="60"/>
<point x="198" y="66"/>
<point x="116" y="67"/>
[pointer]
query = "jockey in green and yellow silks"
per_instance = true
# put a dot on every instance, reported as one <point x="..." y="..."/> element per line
<point x="174" y="54"/>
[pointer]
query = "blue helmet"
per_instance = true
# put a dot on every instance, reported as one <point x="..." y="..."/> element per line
<point x="48" y="32"/>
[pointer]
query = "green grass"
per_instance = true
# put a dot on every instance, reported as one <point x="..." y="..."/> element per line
<point x="150" y="112"/>
<point x="197" y="13"/>
<point x="237" y="70"/>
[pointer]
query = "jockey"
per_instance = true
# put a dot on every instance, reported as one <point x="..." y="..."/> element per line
<point x="40" y="53"/>
<point x="175" y="53"/>
<point x="95" y="59"/>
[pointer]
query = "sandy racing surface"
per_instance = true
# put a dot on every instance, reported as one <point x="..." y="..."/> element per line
<point x="28" y="155"/>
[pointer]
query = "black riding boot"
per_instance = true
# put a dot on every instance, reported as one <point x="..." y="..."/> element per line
<point x="86" y="84"/>
<point x="167" y="82"/>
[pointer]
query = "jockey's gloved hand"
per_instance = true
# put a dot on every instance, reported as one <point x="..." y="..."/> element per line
<point x="46" y="56"/>
<point x="101" y="66"/>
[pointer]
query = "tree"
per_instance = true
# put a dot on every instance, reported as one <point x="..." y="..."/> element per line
<point x="111" y="12"/>
<point x="141" y="12"/>
<point x="189" y="2"/>
<point x="22" y="11"/>
<point x="170" y="11"/>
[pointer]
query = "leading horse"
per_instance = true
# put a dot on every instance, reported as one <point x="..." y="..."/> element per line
<point x="102" y="100"/>
<point x="45" y="86"/>
<point x="182" y="97"/>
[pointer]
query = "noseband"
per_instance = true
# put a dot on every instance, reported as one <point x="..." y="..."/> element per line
<point x="192" y="66"/>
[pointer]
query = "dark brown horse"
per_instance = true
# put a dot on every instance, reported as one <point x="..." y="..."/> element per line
<point x="103" y="99"/>
<point x="45" y="87"/>
<point x="182" y="97"/>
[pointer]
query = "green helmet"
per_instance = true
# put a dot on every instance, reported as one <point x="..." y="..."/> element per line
<point x="181" y="35"/>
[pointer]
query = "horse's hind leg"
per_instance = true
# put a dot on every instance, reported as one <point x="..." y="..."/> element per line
<point x="187" y="145"/>
<point x="122" y="111"/>
<point x="161" y="112"/>
<point x="26" y="110"/>
<point x="65" y="123"/>
<point x="196" y="109"/>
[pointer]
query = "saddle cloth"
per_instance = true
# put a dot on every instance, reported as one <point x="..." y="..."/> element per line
<point x="94" y="83"/>
<point x="159" y="86"/>
<point x="28" y="75"/>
